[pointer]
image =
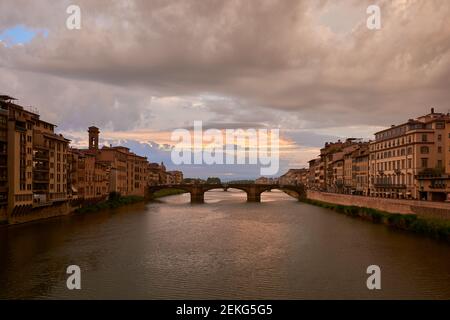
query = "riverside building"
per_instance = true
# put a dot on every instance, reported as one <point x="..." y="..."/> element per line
<point x="406" y="161"/>
<point x="33" y="161"/>
<point x="412" y="160"/>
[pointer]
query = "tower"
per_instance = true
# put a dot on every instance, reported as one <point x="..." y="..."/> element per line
<point x="93" y="138"/>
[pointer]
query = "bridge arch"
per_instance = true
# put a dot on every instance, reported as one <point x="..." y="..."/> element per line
<point x="292" y="192"/>
<point x="253" y="191"/>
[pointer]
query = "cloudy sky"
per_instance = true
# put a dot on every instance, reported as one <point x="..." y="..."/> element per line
<point x="139" y="69"/>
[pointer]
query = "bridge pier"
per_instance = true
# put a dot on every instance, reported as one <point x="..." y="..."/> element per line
<point x="197" y="197"/>
<point x="253" y="195"/>
<point x="253" y="191"/>
<point x="197" y="194"/>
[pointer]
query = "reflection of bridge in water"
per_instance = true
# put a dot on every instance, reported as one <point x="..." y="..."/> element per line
<point x="253" y="191"/>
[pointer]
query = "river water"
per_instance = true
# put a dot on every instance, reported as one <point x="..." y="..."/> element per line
<point x="223" y="249"/>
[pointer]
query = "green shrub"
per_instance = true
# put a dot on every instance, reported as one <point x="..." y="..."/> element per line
<point x="435" y="228"/>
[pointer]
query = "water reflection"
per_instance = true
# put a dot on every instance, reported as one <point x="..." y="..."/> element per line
<point x="225" y="248"/>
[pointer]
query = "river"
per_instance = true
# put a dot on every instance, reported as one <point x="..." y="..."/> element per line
<point x="223" y="249"/>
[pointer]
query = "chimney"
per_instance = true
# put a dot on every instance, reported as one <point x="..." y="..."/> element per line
<point x="432" y="110"/>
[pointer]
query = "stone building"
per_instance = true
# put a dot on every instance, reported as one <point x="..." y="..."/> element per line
<point x="294" y="177"/>
<point x="265" y="180"/>
<point x="360" y="170"/>
<point x="33" y="161"/>
<point x="156" y="174"/>
<point x="127" y="171"/>
<point x="406" y="161"/>
<point x="412" y="160"/>
<point x="174" y="177"/>
<point x="89" y="176"/>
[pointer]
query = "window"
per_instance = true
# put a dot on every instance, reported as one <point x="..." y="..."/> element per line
<point x="439" y="163"/>
<point x="424" y="150"/>
<point x="439" y="149"/>
<point x="439" y="137"/>
<point x="424" y="138"/>
<point x="409" y="163"/>
<point x="424" y="162"/>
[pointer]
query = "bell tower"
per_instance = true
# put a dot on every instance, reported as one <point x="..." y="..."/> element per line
<point x="93" y="138"/>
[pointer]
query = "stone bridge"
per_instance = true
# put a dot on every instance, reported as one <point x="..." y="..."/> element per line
<point x="253" y="191"/>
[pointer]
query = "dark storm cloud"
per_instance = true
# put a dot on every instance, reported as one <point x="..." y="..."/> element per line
<point x="263" y="55"/>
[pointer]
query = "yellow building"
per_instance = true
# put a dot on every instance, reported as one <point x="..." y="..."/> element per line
<point x="406" y="160"/>
<point x="137" y="174"/>
<point x="360" y="170"/>
<point x="35" y="158"/>
<point x="316" y="176"/>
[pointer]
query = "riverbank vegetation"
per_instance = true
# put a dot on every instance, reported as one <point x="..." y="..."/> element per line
<point x="439" y="229"/>
<point x="115" y="200"/>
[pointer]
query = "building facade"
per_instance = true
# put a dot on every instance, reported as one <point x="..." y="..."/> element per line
<point x="406" y="161"/>
<point x="33" y="161"/>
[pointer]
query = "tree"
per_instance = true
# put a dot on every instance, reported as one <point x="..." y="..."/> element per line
<point x="213" y="180"/>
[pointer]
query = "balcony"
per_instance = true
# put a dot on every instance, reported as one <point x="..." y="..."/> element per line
<point x="40" y="187"/>
<point x="21" y="126"/>
<point x="390" y="185"/>
<point x="41" y="155"/>
<point x="429" y="173"/>
<point x="438" y="186"/>
<point x="41" y="168"/>
<point x="40" y="178"/>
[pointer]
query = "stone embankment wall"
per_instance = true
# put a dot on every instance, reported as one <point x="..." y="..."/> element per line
<point x="425" y="209"/>
<point x="44" y="212"/>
